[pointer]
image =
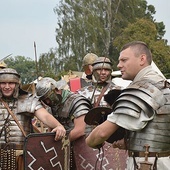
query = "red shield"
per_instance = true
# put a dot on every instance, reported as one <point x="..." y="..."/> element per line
<point x="41" y="151"/>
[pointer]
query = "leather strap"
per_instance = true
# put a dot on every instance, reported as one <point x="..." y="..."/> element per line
<point x="101" y="95"/>
<point x="14" y="117"/>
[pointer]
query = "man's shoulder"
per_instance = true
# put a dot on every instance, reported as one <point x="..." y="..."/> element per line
<point x="28" y="103"/>
<point x="76" y="97"/>
<point x="28" y="96"/>
<point x="89" y="88"/>
<point x="112" y="85"/>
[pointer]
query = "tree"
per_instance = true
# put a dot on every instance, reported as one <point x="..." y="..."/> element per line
<point x="48" y="64"/>
<point x="145" y="30"/>
<point x="93" y="25"/>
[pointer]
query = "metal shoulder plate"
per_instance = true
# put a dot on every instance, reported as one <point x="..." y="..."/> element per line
<point x="28" y="104"/>
<point x="76" y="105"/>
<point x="157" y="96"/>
<point x="138" y="97"/>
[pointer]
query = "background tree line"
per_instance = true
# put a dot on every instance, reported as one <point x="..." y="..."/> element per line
<point x="101" y="27"/>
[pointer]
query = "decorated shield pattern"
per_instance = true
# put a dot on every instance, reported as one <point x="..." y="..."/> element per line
<point x="41" y="151"/>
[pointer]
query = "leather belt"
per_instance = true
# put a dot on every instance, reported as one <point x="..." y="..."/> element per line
<point x="19" y="147"/>
<point x="15" y="147"/>
<point x="151" y="154"/>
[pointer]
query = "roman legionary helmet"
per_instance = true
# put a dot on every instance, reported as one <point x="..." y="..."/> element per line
<point x="99" y="64"/>
<point x="10" y="75"/>
<point x="45" y="88"/>
<point x="89" y="59"/>
<point x="102" y="62"/>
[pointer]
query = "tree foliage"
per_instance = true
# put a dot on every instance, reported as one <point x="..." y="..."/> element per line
<point x="145" y="30"/>
<point x="101" y="27"/>
<point x="92" y="26"/>
<point x="48" y="64"/>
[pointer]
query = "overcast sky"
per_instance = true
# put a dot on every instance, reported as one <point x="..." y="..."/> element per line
<point x="24" y="21"/>
<point x="162" y="8"/>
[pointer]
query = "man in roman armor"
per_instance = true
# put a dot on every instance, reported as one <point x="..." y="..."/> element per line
<point x="102" y="85"/>
<point x="86" y="78"/>
<point x="88" y="60"/>
<point x="143" y="108"/>
<point x="17" y="108"/>
<point x="67" y="107"/>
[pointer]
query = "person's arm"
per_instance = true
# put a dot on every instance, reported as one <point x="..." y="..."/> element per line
<point x="79" y="128"/>
<point x="100" y="134"/>
<point x="51" y="122"/>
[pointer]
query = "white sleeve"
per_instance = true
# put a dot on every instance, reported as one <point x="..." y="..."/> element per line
<point x="128" y="122"/>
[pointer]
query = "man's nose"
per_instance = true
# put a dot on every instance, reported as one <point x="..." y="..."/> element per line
<point x="103" y="70"/>
<point x="119" y="65"/>
<point x="7" y="85"/>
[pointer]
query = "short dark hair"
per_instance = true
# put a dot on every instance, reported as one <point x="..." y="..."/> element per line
<point x="139" y="48"/>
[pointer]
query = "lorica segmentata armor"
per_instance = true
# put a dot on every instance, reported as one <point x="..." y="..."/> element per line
<point x="23" y="108"/>
<point x="154" y="102"/>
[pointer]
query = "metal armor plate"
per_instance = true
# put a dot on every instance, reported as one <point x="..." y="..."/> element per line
<point x="41" y="151"/>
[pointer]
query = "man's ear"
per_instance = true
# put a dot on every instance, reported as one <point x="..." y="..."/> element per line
<point x="143" y="59"/>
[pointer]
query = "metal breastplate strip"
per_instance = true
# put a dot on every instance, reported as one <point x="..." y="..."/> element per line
<point x="155" y="134"/>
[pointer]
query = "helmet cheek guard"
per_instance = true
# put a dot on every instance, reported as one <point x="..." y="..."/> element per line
<point x="52" y="99"/>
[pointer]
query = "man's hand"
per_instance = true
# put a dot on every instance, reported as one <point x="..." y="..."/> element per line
<point x="60" y="132"/>
<point x="119" y="144"/>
